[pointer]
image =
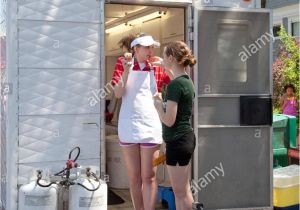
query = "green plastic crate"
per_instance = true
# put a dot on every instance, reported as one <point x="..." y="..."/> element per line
<point x="280" y="157"/>
<point x="292" y="131"/>
<point x="280" y="136"/>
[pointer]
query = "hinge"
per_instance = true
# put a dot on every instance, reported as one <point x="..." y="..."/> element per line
<point x="191" y="23"/>
<point x="191" y="36"/>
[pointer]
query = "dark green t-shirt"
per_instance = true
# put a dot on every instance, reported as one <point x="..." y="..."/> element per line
<point x="180" y="90"/>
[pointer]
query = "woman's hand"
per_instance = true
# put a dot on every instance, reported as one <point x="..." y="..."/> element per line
<point x="158" y="96"/>
<point x="158" y="101"/>
<point x="119" y="88"/>
<point x="158" y="104"/>
<point x="126" y="65"/>
<point x="168" y="117"/>
<point x="158" y="62"/>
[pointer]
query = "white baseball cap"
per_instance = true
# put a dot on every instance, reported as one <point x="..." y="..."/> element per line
<point x="145" y="41"/>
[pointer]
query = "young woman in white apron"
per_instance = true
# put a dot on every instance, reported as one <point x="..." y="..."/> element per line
<point x="139" y="126"/>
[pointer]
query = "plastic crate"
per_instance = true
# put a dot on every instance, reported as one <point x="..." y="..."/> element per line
<point x="280" y="136"/>
<point x="292" y="131"/>
<point x="280" y="157"/>
<point x="286" y="186"/>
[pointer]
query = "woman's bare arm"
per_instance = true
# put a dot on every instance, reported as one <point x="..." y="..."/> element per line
<point x="168" y="117"/>
<point x="282" y="102"/>
<point x="119" y="88"/>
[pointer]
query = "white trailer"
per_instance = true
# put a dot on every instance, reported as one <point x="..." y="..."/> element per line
<point x="57" y="59"/>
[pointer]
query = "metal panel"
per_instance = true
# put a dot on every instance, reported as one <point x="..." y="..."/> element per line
<point x="212" y="111"/>
<point x="168" y="3"/>
<point x="236" y="52"/>
<point x="48" y="138"/>
<point x="286" y="24"/>
<point x="228" y="3"/>
<point x="3" y="144"/>
<point x="102" y="82"/>
<point x="54" y="47"/>
<point x="59" y="81"/>
<point x="244" y="152"/>
<point x="273" y="4"/>
<point x="58" y="45"/>
<point x="3" y="102"/>
<point x="59" y="10"/>
<point x="11" y="134"/>
<point x="53" y="91"/>
<point x="244" y="156"/>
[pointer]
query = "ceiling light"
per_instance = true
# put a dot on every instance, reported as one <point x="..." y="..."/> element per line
<point x="145" y="18"/>
<point x="116" y="28"/>
<point x="131" y="22"/>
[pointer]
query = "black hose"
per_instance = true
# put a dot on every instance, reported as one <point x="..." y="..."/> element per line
<point x="60" y="173"/>
<point x="92" y="190"/>
<point x="96" y="178"/>
<point x="67" y="170"/>
<point x="44" y="185"/>
<point x="70" y="154"/>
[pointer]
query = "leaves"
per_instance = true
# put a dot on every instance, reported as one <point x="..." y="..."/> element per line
<point x="286" y="66"/>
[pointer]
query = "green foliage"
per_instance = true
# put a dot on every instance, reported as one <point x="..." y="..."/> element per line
<point x="285" y="67"/>
<point x="276" y="111"/>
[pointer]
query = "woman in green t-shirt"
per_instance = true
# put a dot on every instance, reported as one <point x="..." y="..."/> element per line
<point x="175" y="112"/>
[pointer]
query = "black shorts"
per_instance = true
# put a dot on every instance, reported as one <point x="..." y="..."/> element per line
<point x="180" y="151"/>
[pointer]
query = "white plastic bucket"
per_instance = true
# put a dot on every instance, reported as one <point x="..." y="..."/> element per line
<point x="116" y="168"/>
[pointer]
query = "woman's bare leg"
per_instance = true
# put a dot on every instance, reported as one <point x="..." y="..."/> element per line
<point x="179" y="177"/>
<point x="149" y="177"/>
<point x="132" y="159"/>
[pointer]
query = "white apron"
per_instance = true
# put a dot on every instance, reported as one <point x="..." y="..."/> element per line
<point x="138" y="119"/>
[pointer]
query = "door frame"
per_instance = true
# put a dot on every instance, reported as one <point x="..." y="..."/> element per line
<point x="9" y="180"/>
<point x="184" y="4"/>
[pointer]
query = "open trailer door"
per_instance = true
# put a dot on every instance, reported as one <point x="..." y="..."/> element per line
<point x="54" y="74"/>
<point x="233" y="111"/>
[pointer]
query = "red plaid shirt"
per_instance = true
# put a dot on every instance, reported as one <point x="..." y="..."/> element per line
<point x="160" y="75"/>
